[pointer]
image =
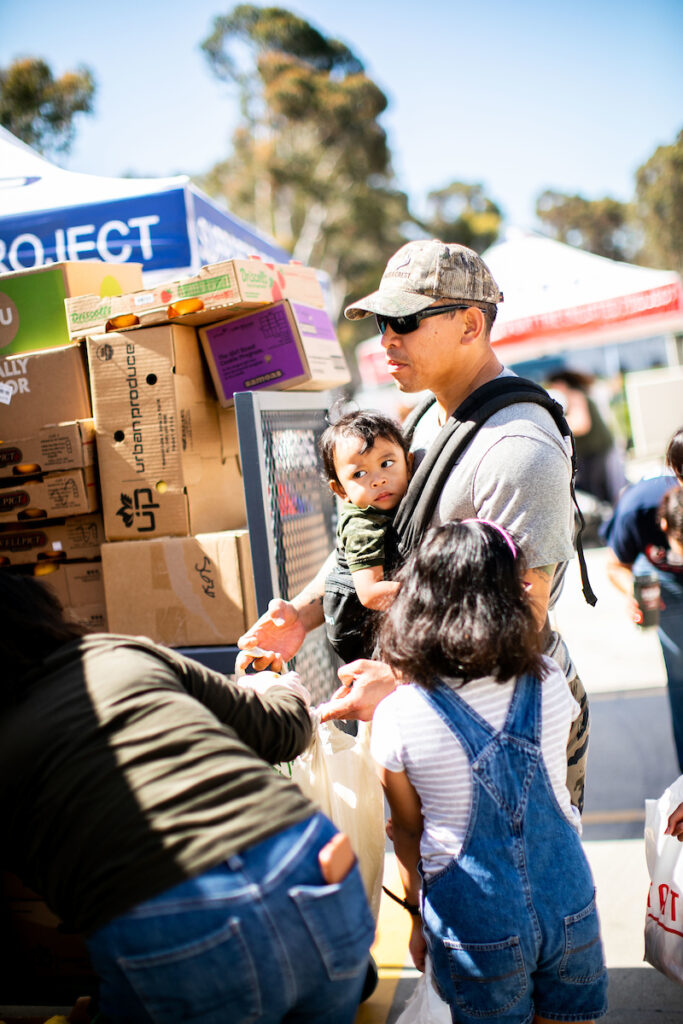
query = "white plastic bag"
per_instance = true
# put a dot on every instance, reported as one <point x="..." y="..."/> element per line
<point x="425" y="1005"/>
<point x="338" y="773"/>
<point x="664" y="915"/>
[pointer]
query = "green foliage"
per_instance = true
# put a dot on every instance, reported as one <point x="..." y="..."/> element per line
<point x="40" y="109"/>
<point x="601" y="226"/>
<point x="463" y="213"/>
<point x="310" y="163"/>
<point x="659" y="206"/>
<point x="648" y="230"/>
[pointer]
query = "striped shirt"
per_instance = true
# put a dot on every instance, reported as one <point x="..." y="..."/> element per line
<point x="408" y="735"/>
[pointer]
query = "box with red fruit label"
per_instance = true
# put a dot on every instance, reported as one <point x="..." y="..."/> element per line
<point x="216" y="292"/>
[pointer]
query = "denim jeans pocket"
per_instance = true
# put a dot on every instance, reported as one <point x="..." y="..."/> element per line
<point x="338" y="919"/>
<point x="583" y="959"/>
<point x="198" y="980"/>
<point x="488" y="977"/>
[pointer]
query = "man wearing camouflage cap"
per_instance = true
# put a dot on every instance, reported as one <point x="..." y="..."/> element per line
<point x="435" y="306"/>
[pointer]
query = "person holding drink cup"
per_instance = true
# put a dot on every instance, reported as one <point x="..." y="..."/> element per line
<point x="645" y="534"/>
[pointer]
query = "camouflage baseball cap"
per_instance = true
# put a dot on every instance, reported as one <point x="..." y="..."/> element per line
<point x="423" y="271"/>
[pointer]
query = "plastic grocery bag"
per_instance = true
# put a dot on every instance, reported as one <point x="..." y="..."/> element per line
<point x="425" y="1005"/>
<point x="664" y="915"/>
<point x="337" y="772"/>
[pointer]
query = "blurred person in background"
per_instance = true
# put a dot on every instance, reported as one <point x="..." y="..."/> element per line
<point x="600" y="468"/>
<point x="645" y="535"/>
<point x="139" y="801"/>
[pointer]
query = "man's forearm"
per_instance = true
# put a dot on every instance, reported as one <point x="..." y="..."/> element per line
<point x="309" y="601"/>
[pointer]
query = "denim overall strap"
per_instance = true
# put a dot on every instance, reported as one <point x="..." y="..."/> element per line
<point x="503" y="761"/>
<point x="510" y="924"/>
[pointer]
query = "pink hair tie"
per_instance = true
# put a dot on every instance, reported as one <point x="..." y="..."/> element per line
<point x="501" y="530"/>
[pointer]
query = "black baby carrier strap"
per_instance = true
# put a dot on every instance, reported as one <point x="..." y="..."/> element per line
<point x="417" y="507"/>
<point x="349" y="624"/>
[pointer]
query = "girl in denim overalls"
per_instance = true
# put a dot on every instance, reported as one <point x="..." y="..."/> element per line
<point x="472" y="756"/>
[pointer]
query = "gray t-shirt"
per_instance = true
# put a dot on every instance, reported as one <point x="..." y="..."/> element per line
<point x="516" y="472"/>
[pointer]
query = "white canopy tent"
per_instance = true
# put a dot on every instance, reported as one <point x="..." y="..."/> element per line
<point x="168" y="225"/>
<point x="558" y="298"/>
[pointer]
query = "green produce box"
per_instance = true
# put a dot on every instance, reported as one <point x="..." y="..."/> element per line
<point x="32" y="311"/>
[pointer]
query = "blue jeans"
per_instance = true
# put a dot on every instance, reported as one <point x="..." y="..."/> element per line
<point x="259" y="938"/>
<point x="670" y="633"/>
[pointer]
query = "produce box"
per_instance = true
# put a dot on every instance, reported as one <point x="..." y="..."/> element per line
<point x="217" y="290"/>
<point x="42" y="388"/>
<point x="49" y="496"/>
<point x="73" y="537"/>
<point x="161" y="465"/>
<point x="181" y="591"/>
<point x="32" y="312"/>
<point x="282" y="347"/>
<point x="77" y="585"/>
<point x="52" y="448"/>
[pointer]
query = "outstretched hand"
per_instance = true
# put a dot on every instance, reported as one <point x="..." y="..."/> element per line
<point x="278" y="635"/>
<point x="674" y="825"/>
<point x="364" y="684"/>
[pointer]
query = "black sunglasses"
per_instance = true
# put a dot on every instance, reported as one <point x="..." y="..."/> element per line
<point x="410" y="323"/>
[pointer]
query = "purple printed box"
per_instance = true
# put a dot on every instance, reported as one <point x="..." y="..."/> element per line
<point x="283" y="347"/>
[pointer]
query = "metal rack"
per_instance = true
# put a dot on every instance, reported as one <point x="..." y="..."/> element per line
<point x="291" y="514"/>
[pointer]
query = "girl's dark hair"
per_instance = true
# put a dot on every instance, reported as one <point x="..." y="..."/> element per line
<point x="461" y="610"/>
<point x="32" y="626"/>
<point x="364" y="423"/>
<point x="671" y="509"/>
<point x="674" y="453"/>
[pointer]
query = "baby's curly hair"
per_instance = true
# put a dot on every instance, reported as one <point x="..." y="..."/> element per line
<point x="462" y="610"/>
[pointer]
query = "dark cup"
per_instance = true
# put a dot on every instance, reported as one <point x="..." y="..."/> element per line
<point x="647" y="593"/>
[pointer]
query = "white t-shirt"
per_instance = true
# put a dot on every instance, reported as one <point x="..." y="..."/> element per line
<point x="408" y="735"/>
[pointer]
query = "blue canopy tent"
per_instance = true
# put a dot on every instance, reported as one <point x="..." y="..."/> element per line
<point x="48" y="215"/>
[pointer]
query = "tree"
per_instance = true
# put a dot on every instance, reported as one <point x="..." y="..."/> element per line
<point x="310" y="162"/>
<point x="602" y="226"/>
<point x="659" y="206"/>
<point x="463" y="213"/>
<point x="40" y="109"/>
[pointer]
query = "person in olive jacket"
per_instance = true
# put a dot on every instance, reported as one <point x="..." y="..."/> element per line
<point x="139" y="800"/>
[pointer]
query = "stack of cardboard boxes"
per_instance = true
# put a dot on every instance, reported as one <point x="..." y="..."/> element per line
<point x="163" y="366"/>
<point x="49" y="520"/>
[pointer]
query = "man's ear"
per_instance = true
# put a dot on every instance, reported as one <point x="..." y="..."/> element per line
<point x="410" y="458"/>
<point x="475" y="324"/>
<point x="337" y="489"/>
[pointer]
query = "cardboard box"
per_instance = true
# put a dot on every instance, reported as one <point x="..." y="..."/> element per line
<point x="32" y="312"/>
<point x="189" y="591"/>
<point x="52" y="448"/>
<point x="78" y="586"/>
<point x="42" y="388"/>
<point x="162" y="471"/>
<point x="50" y="496"/>
<point x="283" y="347"/>
<point x="219" y="289"/>
<point x="74" y="537"/>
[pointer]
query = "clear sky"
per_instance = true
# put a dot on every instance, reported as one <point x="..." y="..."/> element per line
<point x="520" y="96"/>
